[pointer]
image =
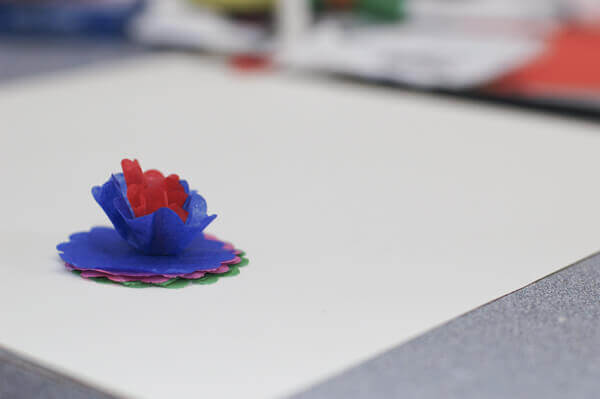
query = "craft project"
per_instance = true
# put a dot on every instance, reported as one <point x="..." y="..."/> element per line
<point x="158" y="236"/>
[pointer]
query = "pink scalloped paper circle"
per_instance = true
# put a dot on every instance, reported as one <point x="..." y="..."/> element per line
<point x="160" y="278"/>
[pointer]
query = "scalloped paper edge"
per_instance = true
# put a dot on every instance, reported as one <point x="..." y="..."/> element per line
<point x="177" y="282"/>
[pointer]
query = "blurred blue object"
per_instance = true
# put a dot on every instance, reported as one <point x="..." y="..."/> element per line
<point x="89" y="18"/>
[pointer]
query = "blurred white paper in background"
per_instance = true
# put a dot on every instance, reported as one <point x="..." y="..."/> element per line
<point x="489" y="9"/>
<point x="186" y="26"/>
<point x="422" y="55"/>
<point x="452" y="45"/>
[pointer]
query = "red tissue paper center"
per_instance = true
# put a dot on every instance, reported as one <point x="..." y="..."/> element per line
<point x="150" y="190"/>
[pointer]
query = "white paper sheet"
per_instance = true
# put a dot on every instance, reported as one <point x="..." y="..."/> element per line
<point x="369" y="216"/>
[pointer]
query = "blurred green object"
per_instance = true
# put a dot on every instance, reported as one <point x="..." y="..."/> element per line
<point x="382" y="10"/>
<point x="242" y="6"/>
<point x="322" y="5"/>
<point x="387" y="10"/>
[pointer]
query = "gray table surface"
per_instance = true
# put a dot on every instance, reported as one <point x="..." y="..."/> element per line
<point x="20" y="379"/>
<point x="24" y="57"/>
<point x="541" y="341"/>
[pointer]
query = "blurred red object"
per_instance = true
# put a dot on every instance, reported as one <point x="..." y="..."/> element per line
<point x="250" y="62"/>
<point x="569" y="66"/>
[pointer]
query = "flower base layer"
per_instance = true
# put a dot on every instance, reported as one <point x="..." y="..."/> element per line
<point x="177" y="282"/>
<point x="103" y="255"/>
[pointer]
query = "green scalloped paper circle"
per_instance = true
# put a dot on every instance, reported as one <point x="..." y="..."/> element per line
<point x="177" y="282"/>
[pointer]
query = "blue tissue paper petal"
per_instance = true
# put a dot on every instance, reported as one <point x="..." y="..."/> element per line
<point x="186" y="186"/>
<point x="159" y="233"/>
<point x="102" y="248"/>
<point x="106" y="195"/>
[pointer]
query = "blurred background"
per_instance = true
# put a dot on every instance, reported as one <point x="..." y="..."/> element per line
<point x="541" y="54"/>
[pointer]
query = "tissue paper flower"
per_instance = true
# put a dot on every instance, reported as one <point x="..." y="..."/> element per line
<point x="157" y="237"/>
<point x="154" y="214"/>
